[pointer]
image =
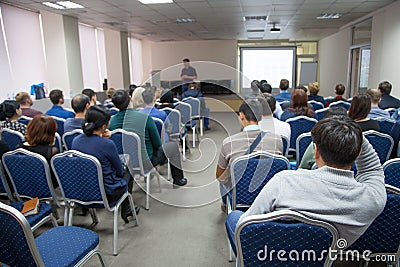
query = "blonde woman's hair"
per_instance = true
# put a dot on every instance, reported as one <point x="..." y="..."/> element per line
<point x="137" y="98"/>
<point x="314" y="88"/>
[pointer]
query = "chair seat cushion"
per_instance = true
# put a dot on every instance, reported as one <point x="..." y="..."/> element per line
<point x="44" y="211"/>
<point x="230" y="224"/>
<point x="65" y="245"/>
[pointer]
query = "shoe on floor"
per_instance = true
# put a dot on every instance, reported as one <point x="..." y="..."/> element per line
<point x="223" y="207"/>
<point x="181" y="182"/>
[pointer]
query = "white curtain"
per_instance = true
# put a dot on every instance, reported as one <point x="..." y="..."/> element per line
<point x="93" y="56"/>
<point x="136" y="61"/>
<point x="22" y="59"/>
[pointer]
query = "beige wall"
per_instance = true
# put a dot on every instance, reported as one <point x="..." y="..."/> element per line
<point x="333" y="60"/>
<point x="112" y="41"/>
<point x="385" y="52"/>
<point x="167" y="56"/>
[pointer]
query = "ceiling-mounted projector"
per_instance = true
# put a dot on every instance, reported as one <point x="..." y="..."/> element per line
<point x="274" y="29"/>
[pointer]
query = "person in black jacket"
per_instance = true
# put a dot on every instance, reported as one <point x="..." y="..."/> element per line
<point x="387" y="101"/>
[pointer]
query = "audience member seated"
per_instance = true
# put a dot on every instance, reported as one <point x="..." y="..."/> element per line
<point x="359" y="110"/>
<point x="25" y="101"/>
<point x="387" y="101"/>
<point x="270" y="124"/>
<point x="204" y="111"/>
<point x="339" y="92"/>
<point x="166" y="100"/>
<point x="298" y="106"/>
<point x="255" y="89"/>
<point x="40" y="138"/>
<point x="308" y="159"/>
<point x="80" y="104"/>
<point x="94" y="142"/>
<point x="376" y="111"/>
<point x="331" y="193"/>
<point x="10" y="111"/>
<point x="92" y="96"/>
<point x="314" y="89"/>
<point x="302" y="87"/>
<point x="250" y="113"/>
<point x="57" y="98"/>
<point x="265" y="87"/>
<point x="137" y="98"/>
<point x="132" y="88"/>
<point x="395" y="134"/>
<point x="153" y="152"/>
<point x="284" y="95"/>
<point x="108" y="102"/>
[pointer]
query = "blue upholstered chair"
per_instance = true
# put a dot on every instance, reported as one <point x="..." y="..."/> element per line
<point x="316" y="105"/>
<point x="60" y="125"/>
<point x="4" y="185"/>
<point x="12" y="138"/>
<point x="24" y="119"/>
<point x="284" y="104"/>
<point x="320" y="114"/>
<point x="30" y="177"/>
<point x="302" y="143"/>
<point x="196" y="111"/>
<point x="129" y="143"/>
<point x="81" y="183"/>
<point x="382" y="143"/>
<point x="391" y="168"/>
<point x="341" y="103"/>
<point x="285" y="145"/>
<point x="68" y="137"/>
<point x="391" y="111"/>
<point x="250" y="173"/>
<point x="114" y="111"/>
<point x="299" y="125"/>
<point x="59" y="246"/>
<point x="186" y="117"/>
<point x="176" y="131"/>
<point x="385" y="124"/>
<point x="58" y="143"/>
<point x="256" y="236"/>
<point x="383" y="235"/>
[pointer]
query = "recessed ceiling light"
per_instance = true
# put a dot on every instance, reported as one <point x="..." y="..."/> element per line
<point x="330" y="16"/>
<point x="185" y="20"/>
<point x="63" y="5"/>
<point x="53" y="5"/>
<point x="149" y="2"/>
<point x="255" y="18"/>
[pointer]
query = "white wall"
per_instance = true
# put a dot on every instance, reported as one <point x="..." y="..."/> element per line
<point x="333" y="60"/>
<point x="113" y="59"/>
<point x="385" y="52"/>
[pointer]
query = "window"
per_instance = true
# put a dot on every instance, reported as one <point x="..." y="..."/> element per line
<point x="135" y="61"/>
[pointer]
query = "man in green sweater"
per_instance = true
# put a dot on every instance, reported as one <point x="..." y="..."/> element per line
<point x="331" y="193"/>
<point x="144" y="126"/>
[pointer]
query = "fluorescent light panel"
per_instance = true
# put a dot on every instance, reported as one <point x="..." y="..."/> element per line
<point x="63" y="5"/>
<point x="150" y="2"/>
<point x="330" y="16"/>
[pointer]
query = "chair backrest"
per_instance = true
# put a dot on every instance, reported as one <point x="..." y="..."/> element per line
<point x="349" y="100"/>
<point x="284" y="104"/>
<point x="299" y="125"/>
<point x="186" y="112"/>
<point x="382" y="143"/>
<point x="340" y="103"/>
<point x="4" y="186"/>
<point x="129" y="143"/>
<point x="60" y="125"/>
<point x="24" y="119"/>
<point x="174" y="117"/>
<point x="285" y="145"/>
<point x="58" y="142"/>
<point x="195" y="104"/>
<point x="391" y="168"/>
<point x="391" y="111"/>
<point x="316" y="105"/>
<point x="385" y="124"/>
<point x="80" y="178"/>
<point x="114" y="111"/>
<point x="29" y="174"/>
<point x="302" y="143"/>
<point x="18" y="247"/>
<point x="12" y="138"/>
<point x="249" y="174"/>
<point x="160" y="128"/>
<point x="320" y="113"/>
<point x="68" y="137"/>
<point x="383" y="235"/>
<point x="288" y="231"/>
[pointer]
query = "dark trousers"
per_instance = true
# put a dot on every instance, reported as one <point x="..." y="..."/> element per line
<point x="117" y="193"/>
<point x="169" y="150"/>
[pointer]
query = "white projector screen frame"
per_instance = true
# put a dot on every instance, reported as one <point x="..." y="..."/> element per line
<point x="267" y="63"/>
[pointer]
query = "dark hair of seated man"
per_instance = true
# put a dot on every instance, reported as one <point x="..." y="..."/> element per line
<point x="121" y="99"/>
<point x="338" y="141"/>
<point x="252" y="110"/>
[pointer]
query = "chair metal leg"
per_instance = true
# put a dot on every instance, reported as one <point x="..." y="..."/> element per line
<point x="66" y="211"/>
<point x="184" y="148"/>
<point x="53" y="220"/>
<point x="169" y="171"/>
<point x="148" y="191"/>
<point x="201" y="126"/>
<point x="230" y="251"/>
<point x="194" y="136"/>
<point x="93" y="214"/>
<point x="133" y="207"/>
<point x="71" y="214"/>
<point x="101" y="259"/>
<point x="115" y="249"/>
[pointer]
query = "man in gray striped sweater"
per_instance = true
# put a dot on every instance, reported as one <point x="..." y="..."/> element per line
<point x="331" y="193"/>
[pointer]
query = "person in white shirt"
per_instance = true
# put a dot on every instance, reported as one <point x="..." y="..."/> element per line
<point x="268" y="122"/>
